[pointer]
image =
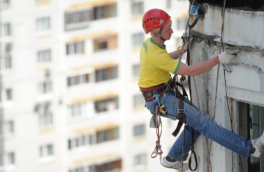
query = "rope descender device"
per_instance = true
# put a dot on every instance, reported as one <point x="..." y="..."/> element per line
<point x="196" y="11"/>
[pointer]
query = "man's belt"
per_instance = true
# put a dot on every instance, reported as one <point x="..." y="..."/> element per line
<point x="148" y="95"/>
<point x="160" y="89"/>
<point x="149" y="92"/>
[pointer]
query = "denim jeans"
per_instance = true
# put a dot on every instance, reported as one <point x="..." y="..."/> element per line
<point x="202" y="124"/>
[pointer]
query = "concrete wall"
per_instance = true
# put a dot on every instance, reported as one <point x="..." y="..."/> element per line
<point x="243" y="31"/>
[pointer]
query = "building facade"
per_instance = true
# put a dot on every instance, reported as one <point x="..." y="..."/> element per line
<point x="239" y="106"/>
<point x="69" y="97"/>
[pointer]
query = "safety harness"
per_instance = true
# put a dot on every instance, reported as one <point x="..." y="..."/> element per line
<point x="155" y="94"/>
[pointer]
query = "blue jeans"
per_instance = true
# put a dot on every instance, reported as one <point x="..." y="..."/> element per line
<point x="202" y="124"/>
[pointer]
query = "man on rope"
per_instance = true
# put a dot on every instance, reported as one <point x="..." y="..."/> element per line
<point x="156" y="64"/>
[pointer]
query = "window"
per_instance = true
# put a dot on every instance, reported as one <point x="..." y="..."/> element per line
<point x="140" y="160"/>
<point x="5" y="29"/>
<point x="81" y="169"/>
<point x="255" y="129"/>
<point x="251" y="126"/>
<point x="44" y="56"/>
<point x="46" y="150"/>
<point x="105" y="167"/>
<point x="136" y="70"/>
<point x="45" y="114"/>
<point x="137" y="39"/>
<point x="181" y="23"/>
<point x="137" y="8"/>
<point x="78" y="17"/>
<point x="105" y="11"/>
<point x="4" y="3"/>
<point x="77" y="80"/>
<point x="45" y="87"/>
<point x="77" y="110"/>
<point x="107" y="135"/>
<point x="7" y="128"/>
<point x="78" y="20"/>
<point x="9" y="95"/>
<point x="75" y="48"/>
<point x="10" y="158"/>
<point x="102" y="44"/>
<point x="81" y="19"/>
<point x="106" y="74"/>
<point x="45" y="119"/>
<point x="99" y="12"/>
<point x="138" y="101"/>
<point x="80" y="141"/>
<point x="5" y="61"/>
<point x="139" y="130"/>
<point x="43" y="23"/>
<point x="106" y="105"/>
<point x="7" y="159"/>
<point x="8" y="48"/>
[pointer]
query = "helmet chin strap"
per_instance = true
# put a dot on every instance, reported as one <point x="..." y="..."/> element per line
<point x="159" y="35"/>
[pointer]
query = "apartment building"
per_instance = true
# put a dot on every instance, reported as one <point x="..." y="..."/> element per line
<point x="69" y="98"/>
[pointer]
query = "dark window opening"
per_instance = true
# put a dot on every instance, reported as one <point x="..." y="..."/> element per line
<point x="102" y="46"/>
<point x="106" y="74"/>
<point x="251" y="125"/>
<point x="106" y="105"/>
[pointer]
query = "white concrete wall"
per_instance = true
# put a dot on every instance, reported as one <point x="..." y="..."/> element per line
<point x="243" y="31"/>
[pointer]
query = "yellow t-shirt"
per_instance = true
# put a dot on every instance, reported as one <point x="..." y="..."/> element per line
<point x="155" y="64"/>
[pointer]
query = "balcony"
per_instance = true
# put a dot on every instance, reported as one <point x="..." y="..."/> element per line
<point x="78" y="16"/>
<point x="104" y="163"/>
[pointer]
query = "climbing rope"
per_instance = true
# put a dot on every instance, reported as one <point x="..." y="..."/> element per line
<point x="157" y="151"/>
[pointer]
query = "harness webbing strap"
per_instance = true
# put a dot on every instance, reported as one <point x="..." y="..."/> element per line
<point x="181" y="117"/>
<point x="159" y="34"/>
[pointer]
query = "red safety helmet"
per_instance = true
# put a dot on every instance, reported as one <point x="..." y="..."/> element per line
<point x="154" y="18"/>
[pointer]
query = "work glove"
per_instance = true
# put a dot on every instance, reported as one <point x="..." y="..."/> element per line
<point x="185" y="47"/>
<point x="225" y="57"/>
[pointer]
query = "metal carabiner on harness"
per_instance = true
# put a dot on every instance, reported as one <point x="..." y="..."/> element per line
<point x="160" y="103"/>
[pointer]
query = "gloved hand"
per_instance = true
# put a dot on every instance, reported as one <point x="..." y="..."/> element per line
<point x="185" y="47"/>
<point x="225" y="57"/>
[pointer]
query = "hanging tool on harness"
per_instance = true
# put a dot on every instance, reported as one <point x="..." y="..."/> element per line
<point x="156" y="110"/>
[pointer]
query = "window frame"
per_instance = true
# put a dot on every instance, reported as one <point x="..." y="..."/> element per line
<point x="139" y="130"/>
<point x="137" y="8"/>
<point x="44" y="56"/>
<point x="43" y="24"/>
<point x="44" y="152"/>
